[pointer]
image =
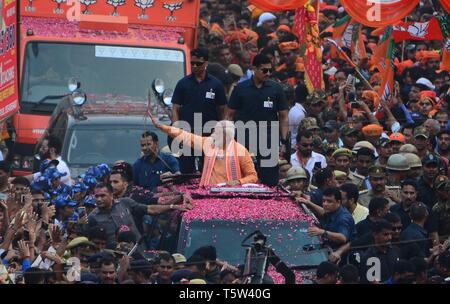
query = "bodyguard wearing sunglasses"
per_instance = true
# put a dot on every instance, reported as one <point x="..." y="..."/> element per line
<point x="261" y="100"/>
<point x="198" y="93"/>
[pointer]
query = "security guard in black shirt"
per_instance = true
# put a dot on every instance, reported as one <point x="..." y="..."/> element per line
<point x="198" y="93"/>
<point x="262" y="100"/>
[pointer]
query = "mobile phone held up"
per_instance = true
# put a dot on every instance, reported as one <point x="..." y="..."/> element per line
<point x="355" y="105"/>
<point x="81" y="211"/>
<point x="351" y="80"/>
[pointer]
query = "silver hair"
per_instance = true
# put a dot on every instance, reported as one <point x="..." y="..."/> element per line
<point x="227" y="126"/>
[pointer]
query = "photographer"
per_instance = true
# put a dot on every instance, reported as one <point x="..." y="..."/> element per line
<point x="259" y="257"/>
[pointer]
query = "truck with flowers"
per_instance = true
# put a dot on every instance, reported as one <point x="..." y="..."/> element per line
<point x="105" y="50"/>
<point x="225" y="217"/>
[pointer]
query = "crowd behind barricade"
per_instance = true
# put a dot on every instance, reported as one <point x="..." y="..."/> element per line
<point x="374" y="172"/>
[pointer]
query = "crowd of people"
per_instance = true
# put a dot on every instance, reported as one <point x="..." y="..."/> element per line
<point x="374" y="172"/>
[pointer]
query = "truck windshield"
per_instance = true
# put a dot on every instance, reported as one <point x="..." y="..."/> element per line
<point x="103" y="70"/>
<point x="90" y="144"/>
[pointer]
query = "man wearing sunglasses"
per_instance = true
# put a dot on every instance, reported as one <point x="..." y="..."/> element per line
<point x="198" y="93"/>
<point x="262" y="100"/>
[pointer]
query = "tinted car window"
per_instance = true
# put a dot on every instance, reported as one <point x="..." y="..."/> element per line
<point x="91" y="145"/>
<point x="289" y="239"/>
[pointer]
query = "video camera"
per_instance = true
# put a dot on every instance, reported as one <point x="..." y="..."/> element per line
<point x="257" y="260"/>
<point x="259" y="241"/>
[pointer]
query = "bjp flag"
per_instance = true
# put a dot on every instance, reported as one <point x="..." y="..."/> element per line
<point x="378" y="13"/>
<point x="278" y="5"/>
<point x="387" y="86"/>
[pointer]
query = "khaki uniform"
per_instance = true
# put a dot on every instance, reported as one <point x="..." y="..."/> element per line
<point x="392" y="194"/>
<point x="356" y="179"/>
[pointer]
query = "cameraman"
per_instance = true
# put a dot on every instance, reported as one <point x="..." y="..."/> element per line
<point x="260" y="252"/>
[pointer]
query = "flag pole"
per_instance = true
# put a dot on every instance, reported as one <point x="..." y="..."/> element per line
<point x="341" y="51"/>
<point x="239" y="38"/>
<point x="404" y="43"/>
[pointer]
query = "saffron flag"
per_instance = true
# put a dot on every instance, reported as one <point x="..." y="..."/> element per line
<point x="376" y="13"/>
<point x="446" y="5"/>
<point x="445" y="64"/>
<point x="340" y="26"/>
<point x="379" y="56"/>
<point x="387" y="86"/>
<point x="430" y="30"/>
<point x="358" y="48"/>
<point x="278" y="5"/>
<point x="340" y="34"/>
<point x="307" y="30"/>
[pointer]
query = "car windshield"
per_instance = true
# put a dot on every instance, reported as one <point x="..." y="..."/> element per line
<point x="91" y="145"/>
<point x="288" y="238"/>
<point x="101" y="69"/>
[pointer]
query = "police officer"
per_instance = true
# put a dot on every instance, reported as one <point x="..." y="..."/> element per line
<point x="415" y="165"/>
<point x="398" y="169"/>
<point x="343" y="159"/>
<point x="198" y="93"/>
<point x="377" y="179"/>
<point x="297" y="180"/>
<point x="262" y="100"/>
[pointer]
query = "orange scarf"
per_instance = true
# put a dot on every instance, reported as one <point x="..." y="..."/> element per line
<point x="232" y="164"/>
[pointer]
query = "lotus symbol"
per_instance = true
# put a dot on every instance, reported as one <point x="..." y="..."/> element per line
<point x="58" y="9"/>
<point x="143" y="5"/>
<point x="30" y="7"/>
<point x="87" y="3"/>
<point x="418" y="29"/>
<point x="115" y="4"/>
<point x="172" y="7"/>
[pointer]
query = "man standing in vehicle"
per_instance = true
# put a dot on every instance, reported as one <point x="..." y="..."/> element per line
<point x="148" y="169"/>
<point x="198" y="93"/>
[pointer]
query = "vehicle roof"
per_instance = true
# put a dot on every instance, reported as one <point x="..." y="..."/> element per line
<point x="133" y="118"/>
<point x="62" y="28"/>
<point x="108" y="119"/>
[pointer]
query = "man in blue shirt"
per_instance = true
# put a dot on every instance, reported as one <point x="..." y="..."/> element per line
<point x="148" y="169"/>
<point x="336" y="222"/>
<point x="263" y="102"/>
<point x="198" y="93"/>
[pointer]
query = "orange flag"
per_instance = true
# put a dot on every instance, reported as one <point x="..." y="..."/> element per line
<point x="358" y="48"/>
<point x="379" y="56"/>
<point x="278" y="5"/>
<point x="387" y="86"/>
<point x="379" y="13"/>
<point x="446" y="5"/>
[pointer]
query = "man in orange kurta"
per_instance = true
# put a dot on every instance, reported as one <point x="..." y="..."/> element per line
<point x="226" y="160"/>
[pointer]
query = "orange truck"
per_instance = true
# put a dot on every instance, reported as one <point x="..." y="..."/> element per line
<point x="110" y="48"/>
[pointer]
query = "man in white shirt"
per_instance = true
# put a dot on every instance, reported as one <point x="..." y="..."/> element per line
<point x="305" y="157"/>
<point x="297" y="113"/>
<point x="53" y="153"/>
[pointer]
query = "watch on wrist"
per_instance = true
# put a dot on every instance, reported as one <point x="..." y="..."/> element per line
<point x="325" y="234"/>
